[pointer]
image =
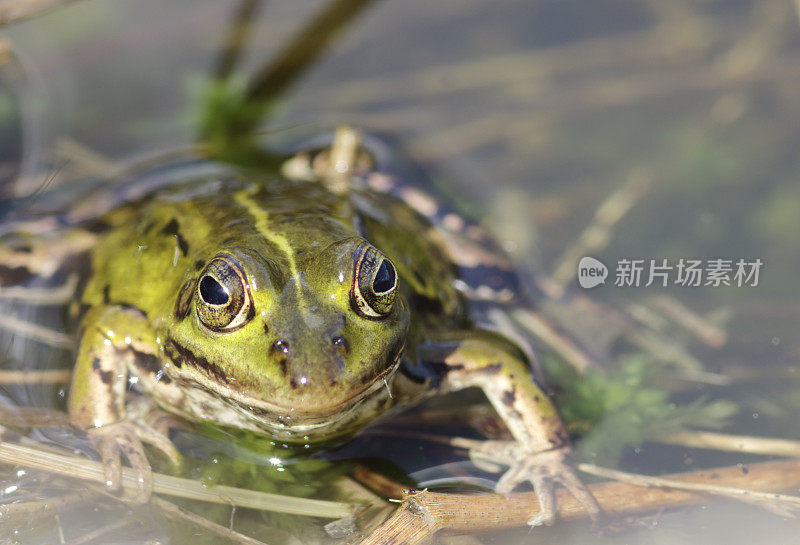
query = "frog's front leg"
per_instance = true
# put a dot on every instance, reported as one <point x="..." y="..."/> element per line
<point x="111" y="337"/>
<point x="540" y="453"/>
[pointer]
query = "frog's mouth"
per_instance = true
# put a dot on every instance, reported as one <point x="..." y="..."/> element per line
<point x="314" y="422"/>
<point x="318" y="411"/>
<point x="319" y="408"/>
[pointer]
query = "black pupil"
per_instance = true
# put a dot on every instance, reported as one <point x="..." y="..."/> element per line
<point x="212" y="291"/>
<point x="384" y="278"/>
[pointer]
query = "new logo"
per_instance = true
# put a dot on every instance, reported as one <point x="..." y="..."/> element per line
<point x="591" y="272"/>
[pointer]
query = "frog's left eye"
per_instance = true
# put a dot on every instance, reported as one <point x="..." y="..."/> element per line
<point x="223" y="297"/>
<point x="374" y="284"/>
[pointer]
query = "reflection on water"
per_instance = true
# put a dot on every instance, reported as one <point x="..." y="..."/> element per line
<point x="528" y="116"/>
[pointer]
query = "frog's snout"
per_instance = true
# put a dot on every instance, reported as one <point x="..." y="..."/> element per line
<point x="309" y="359"/>
<point x="340" y="343"/>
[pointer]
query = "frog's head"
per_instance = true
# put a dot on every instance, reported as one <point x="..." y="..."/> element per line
<point x="302" y="338"/>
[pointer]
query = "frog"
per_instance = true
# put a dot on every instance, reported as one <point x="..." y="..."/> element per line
<point x="303" y="306"/>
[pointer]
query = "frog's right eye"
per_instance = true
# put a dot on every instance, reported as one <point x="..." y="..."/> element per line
<point x="223" y="295"/>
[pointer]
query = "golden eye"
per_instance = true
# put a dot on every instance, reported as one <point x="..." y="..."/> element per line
<point x="374" y="283"/>
<point x="223" y="297"/>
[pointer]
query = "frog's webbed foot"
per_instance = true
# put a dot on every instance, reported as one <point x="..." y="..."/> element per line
<point x="542" y="469"/>
<point x="113" y="441"/>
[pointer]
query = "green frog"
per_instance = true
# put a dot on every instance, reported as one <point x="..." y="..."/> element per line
<point x="303" y="307"/>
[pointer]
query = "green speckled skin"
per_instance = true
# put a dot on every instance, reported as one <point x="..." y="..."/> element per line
<point x="305" y="359"/>
<point x="297" y="243"/>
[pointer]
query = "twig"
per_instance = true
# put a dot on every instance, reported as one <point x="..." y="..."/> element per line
<point x="14" y="11"/>
<point x="709" y="333"/>
<point x="14" y="513"/>
<point x="80" y="468"/>
<point x="100" y="532"/>
<point x="424" y="513"/>
<point x="780" y="504"/>
<point x="735" y="443"/>
<point x="84" y="160"/>
<point x="41" y="296"/>
<point x="182" y="515"/>
<point x="32" y="417"/>
<point x="378" y="482"/>
<point x="545" y="330"/>
<point x="597" y="235"/>
<point x="536" y="68"/>
<point x="33" y="376"/>
<point x="5" y="51"/>
<point x="36" y="332"/>
<point x="304" y="48"/>
<point x="238" y="32"/>
<point x="667" y="351"/>
<point x="797" y="8"/>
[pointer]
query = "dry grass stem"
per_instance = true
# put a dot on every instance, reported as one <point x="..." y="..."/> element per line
<point x="16" y="513"/>
<point x="100" y="532"/>
<point x="83" y="160"/>
<point x="5" y="51"/>
<point x="596" y="237"/>
<point x="14" y="11"/>
<point x="36" y="332"/>
<point x="638" y="49"/>
<point x="378" y="482"/>
<point x="32" y="417"/>
<point x="710" y="333"/>
<point x="735" y="443"/>
<point x="41" y="296"/>
<point x="80" y="468"/>
<point x="424" y="513"/>
<point x="180" y="514"/>
<point x="544" y="330"/>
<point x="780" y="504"/>
<point x="44" y="376"/>
<point x="667" y="350"/>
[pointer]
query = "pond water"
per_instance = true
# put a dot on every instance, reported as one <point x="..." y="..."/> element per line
<point x="670" y="127"/>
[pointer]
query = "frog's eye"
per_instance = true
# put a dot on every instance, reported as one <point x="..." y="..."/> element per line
<point x="223" y="297"/>
<point x="374" y="283"/>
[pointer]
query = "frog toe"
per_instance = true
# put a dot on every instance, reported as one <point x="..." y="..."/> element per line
<point x="110" y="454"/>
<point x="546" y="493"/>
<point x="573" y="483"/>
<point x="155" y="438"/>
<point x="543" y="470"/>
<point x="114" y="441"/>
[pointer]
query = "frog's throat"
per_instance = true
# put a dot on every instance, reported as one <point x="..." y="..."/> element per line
<point x="311" y="408"/>
<point x="322" y="424"/>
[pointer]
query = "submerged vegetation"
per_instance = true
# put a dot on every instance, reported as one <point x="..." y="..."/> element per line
<point x="616" y="410"/>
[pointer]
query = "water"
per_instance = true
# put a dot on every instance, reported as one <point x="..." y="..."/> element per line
<point x="529" y="116"/>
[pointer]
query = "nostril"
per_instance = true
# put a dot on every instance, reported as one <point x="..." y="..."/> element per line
<point x="340" y="343"/>
<point x="281" y="346"/>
